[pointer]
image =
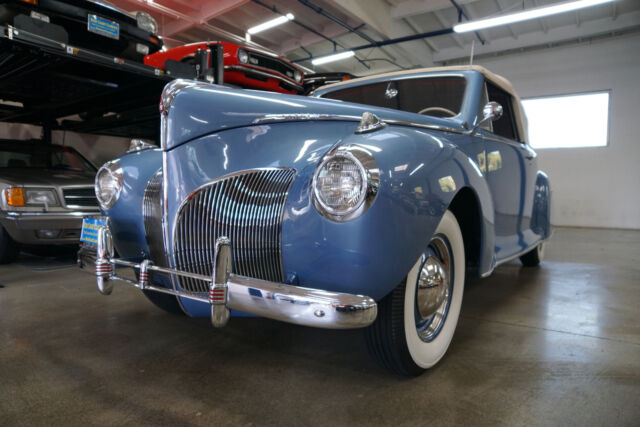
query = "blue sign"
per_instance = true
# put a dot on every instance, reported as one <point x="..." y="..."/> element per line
<point x="104" y="27"/>
<point x="90" y="227"/>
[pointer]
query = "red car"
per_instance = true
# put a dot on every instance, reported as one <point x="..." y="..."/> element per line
<point x="243" y="66"/>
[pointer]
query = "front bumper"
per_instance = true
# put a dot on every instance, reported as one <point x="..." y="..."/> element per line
<point x="278" y="301"/>
<point x="36" y="228"/>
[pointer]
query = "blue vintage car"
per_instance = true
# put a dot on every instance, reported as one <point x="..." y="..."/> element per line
<point x="363" y="206"/>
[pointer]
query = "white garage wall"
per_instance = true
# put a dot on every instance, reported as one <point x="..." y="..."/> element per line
<point x="592" y="187"/>
<point x="98" y="149"/>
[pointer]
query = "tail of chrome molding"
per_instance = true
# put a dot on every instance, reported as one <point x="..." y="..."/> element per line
<point x="278" y="301"/>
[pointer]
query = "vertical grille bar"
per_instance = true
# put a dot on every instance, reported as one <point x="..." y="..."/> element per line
<point x="246" y="207"/>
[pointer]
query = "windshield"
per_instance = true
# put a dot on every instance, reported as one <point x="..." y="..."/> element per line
<point x="41" y="156"/>
<point x="439" y="96"/>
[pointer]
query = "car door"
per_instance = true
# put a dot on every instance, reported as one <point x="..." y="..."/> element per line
<point x="510" y="171"/>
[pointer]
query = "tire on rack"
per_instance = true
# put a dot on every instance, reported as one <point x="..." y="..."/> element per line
<point x="534" y="257"/>
<point x="416" y="321"/>
<point x="9" y="248"/>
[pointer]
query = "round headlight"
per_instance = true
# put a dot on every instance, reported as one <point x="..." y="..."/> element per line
<point x="243" y="56"/>
<point x="146" y="22"/>
<point x="109" y="184"/>
<point x="340" y="184"/>
<point x="298" y="76"/>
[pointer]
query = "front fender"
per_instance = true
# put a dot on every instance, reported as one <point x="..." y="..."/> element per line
<point x="125" y="217"/>
<point x="420" y="174"/>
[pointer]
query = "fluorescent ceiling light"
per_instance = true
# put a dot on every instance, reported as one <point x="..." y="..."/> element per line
<point x="270" y="24"/>
<point x="331" y="58"/>
<point x="526" y="15"/>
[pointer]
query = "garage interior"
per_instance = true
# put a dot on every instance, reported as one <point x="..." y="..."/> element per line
<point x="554" y="344"/>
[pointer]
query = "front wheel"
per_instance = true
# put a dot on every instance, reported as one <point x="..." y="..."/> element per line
<point x="416" y="321"/>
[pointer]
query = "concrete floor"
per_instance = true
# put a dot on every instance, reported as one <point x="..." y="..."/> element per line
<point x="559" y="344"/>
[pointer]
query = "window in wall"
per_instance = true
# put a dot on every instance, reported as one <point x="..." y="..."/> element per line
<point x="568" y="121"/>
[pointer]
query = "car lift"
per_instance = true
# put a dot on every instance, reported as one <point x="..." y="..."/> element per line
<point x="61" y="87"/>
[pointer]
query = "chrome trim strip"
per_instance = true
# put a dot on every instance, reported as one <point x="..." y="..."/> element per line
<point x="271" y="118"/>
<point x="263" y="74"/>
<point x="278" y="301"/>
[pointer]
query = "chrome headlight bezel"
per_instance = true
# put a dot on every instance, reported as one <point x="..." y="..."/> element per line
<point x="370" y="181"/>
<point x="146" y="22"/>
<point x="114" y="172"/>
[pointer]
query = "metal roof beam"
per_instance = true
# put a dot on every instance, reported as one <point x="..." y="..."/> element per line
<point x="207" y="12"/>
<point x="418" y="7"/>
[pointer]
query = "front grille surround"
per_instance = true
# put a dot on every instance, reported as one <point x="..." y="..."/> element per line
<point x="246" y="207"/>
<point x="270" y="63"/>
<point x="152" y="212"/>
<point x="80" y="197"/>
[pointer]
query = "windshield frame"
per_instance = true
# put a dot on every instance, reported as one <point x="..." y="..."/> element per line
<point x="461" y="117"/>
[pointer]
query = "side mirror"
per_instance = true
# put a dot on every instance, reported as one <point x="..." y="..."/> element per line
<point x="491" y="111"/>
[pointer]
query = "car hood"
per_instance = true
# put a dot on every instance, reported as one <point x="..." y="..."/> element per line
<point x="45" y="177"/>
<point x="194" y="109"/>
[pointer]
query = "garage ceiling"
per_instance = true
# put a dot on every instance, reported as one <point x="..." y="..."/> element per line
<point x="183" y="21"/>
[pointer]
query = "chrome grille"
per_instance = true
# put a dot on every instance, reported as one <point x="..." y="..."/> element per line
<point x="152" y="207"/>
<point x="83" y="197"/>
<point x="245" y="207"/>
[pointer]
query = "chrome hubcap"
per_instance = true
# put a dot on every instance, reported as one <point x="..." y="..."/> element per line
<point x="434" y="289"/>
<point x="433" y="284"/>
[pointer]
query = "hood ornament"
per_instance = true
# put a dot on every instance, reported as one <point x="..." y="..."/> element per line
<point x="369" y="123"/>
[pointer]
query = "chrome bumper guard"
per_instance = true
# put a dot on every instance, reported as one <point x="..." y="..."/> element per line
<point x="278" y="301"/>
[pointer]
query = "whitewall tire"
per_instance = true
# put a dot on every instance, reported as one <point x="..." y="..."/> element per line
<point x="417" y="320"/>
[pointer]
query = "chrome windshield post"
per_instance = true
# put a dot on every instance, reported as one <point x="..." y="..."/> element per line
<point x="103" y="265"/>
<point x="218" y="289"/>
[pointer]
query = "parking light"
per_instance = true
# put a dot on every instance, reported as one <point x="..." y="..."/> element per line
<point x="15" y="196"/>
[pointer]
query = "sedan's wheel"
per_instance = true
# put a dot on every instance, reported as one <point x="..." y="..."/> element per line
<point x="534" y="257"/>
<point x="416" y="321"/>
<point x="9" y="249"/>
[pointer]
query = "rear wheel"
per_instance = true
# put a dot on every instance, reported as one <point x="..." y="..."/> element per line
<point x="9" y="249"/>
<point x="416" y="321"/>
<point x="534" y="257"/>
